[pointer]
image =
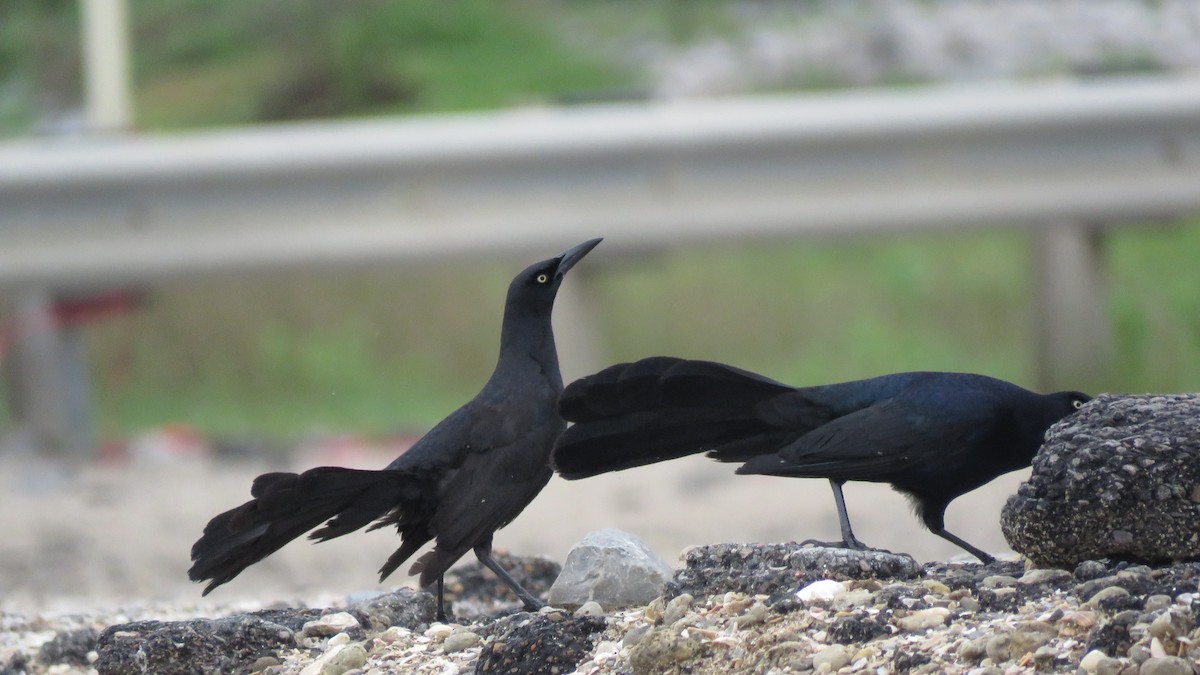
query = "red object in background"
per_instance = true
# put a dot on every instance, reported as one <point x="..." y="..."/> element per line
<point x="76" y="311"/>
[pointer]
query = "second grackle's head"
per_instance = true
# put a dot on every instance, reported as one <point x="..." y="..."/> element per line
<point x="533" y="290"/>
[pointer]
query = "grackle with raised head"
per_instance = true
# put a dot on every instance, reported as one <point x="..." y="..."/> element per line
<point x="932" y="436"/>
<point x="472" y="474"/>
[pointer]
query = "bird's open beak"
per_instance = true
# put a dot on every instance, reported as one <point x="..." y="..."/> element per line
<point x="573" y="255"/>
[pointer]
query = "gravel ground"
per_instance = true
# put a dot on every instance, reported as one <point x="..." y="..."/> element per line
<point x="1101" y="617"/>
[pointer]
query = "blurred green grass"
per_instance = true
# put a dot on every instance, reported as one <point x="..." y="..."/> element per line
<point x="384" y="350"/>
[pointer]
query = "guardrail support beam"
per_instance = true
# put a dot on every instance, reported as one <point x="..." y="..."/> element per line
<point x="47" y="378"/>
<point x="1074" y="334"/>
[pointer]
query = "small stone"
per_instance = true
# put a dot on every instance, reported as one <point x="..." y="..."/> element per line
<point x="439" y="631"/>
<point x="1105" y="594"/>
<point x="824" y="590"/>
<point x="660" y="651"/>
<point x="677" y="608"/>
<point x="457" y="642"/>
<point x="852" y="599"/>
<point x="923" y="619"/>
<point x="263" y="663"/>
<point x="392" y="634"/>
<point x="757" y="614"/>
<point x="834" y="655"/>
<point x="936" y="587"/>
<point x="1028" y="636"/>
<point x="1170" y="625"/>
<point x="1091" y="660"/>
<point x="1045" y="576"/>
<point x="1166" y="665"/>
<point x="1139" y="654"/>
<point x="1110" y="666"/>
<point x="998" y="581"/>
<point x="968" y="604"/>
<point x="1156" y="603"/>
<point x="997" y="648"/>
<point x="329" y="624"/>
<point x="339" y="639"/>
<point x="338" y="660"/>
<point x="590" y="608"/>
<point x="973" y="651"/>
<point x="635" y="635"/>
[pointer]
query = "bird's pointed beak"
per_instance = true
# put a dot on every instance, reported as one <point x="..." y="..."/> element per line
<point x="573" y="255"/>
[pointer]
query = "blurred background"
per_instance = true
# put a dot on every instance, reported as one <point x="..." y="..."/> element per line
<point x="171" y="391"/>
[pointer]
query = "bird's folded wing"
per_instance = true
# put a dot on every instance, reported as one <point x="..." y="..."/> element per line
<point x="872" y="444"/>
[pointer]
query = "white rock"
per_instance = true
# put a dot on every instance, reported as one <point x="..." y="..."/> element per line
<point x="1091" y="660"/>
<point x="330" y="624"/>
<point x="821" y="591"/>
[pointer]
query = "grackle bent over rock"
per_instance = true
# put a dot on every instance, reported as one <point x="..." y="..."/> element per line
<point x="932" y="436"/>
<point x="472" y="474"/>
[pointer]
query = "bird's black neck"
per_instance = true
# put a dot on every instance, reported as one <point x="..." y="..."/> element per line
<point x="527" y="344"/>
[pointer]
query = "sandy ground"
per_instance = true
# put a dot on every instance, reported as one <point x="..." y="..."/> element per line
<point x="111" y="536"/>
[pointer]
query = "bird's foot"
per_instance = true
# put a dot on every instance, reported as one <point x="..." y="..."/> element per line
<point x="852" y="544"/>
<point x="532" y="604"/>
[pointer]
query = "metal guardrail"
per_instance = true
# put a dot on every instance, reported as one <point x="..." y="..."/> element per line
<point x="1057" y="158"/>
<point x="122" y="209"/>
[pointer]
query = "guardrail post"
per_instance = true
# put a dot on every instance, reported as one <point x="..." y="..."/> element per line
<point x="44" y="378"/>
<point x="577" y="330"/>
<point x="1074" y="335"/>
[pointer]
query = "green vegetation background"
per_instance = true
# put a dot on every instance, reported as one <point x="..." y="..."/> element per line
<point x="385" y="349"/>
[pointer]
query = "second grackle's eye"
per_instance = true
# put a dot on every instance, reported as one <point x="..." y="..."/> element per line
<point x="1077" y="403"/>
<point x="542" y="278"/>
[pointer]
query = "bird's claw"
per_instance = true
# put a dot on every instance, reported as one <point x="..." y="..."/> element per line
<point x="853" y="545"/>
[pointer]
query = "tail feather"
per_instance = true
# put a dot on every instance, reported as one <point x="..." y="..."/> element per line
<point x="646" y="438"/>
<point x="661" y="408"/>
<point x="285" y="506"/>
<point x="623" y="388"/>
<point x="707" y="384"/>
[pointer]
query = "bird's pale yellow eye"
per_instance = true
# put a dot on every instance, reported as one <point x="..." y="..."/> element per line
<point x="1078" y="404"/>
<point x="542" y="278"/>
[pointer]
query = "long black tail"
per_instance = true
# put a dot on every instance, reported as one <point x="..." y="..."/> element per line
<point x="661" y="408"/>
<point x="285" y="506"/>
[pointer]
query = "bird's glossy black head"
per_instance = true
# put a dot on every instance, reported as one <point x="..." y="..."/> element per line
<point x="1071" y="400"/>
<point x="534" y="289"/>
<point x="1061" y="404"/>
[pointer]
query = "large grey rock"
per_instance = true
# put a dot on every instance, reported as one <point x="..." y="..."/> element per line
<point x="1120" y="478"/>
<point x="613" y="568"/>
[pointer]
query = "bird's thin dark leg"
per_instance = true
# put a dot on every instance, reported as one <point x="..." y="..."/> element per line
<point x="848" y="538"/>
<point x="441" y="610"/>
<point x="484" y="554"/>
<point x="985" y="558"/>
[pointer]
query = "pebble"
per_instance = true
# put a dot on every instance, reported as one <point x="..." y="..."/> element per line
<point x="590" y="608"/>
<point x="1091" y="660"/>
<point x="1105" y="594"/>
<point x="835" y="656"/>
<point x="757" y="614"/>
<point x="329" y="624"/>
<point x="439" y="631"/>
<point x="824" y="590"/>
<point x="997" y="648"/>
<point x="1166" y="665"/>
<point x="677" y="608"/>
<point x="1028" y="636"/>
<point x="923" y="619"/>
<point x="1045" y="576"/>
<point x="456" y="642"/>
<point x="338" y="660"/>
